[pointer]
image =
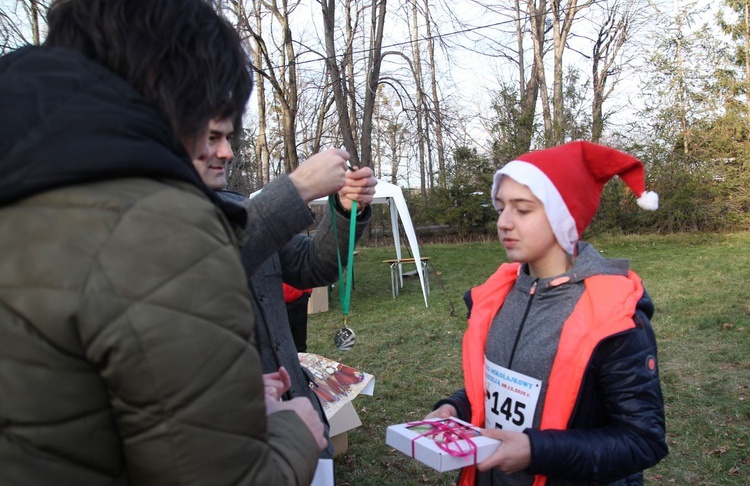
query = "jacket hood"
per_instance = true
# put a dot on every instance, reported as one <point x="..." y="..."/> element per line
<point x="68" y="120"/>
<point x="589" y="262"/>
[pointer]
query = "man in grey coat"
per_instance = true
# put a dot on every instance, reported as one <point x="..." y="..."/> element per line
<point x="276" y="252"/>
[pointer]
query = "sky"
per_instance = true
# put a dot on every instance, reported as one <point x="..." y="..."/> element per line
<point x="467" y="79"/>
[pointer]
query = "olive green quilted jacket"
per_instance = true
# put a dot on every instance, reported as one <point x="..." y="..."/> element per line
<point x="126" y="329"/>
<point x="126" y="351"/>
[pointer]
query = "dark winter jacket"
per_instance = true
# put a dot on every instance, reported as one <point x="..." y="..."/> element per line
<point x="126" y="332"/>
<point x="617" y="424"/>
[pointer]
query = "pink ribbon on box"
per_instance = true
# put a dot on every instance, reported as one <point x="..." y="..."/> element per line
<point x="452" y="432"/>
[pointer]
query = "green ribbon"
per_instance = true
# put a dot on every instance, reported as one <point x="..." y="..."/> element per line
<point x="345" y="291"/>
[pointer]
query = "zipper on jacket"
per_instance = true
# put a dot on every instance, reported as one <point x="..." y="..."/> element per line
<point x="532" y="293"/>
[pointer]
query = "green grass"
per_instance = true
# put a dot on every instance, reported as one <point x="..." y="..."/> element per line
<point x="699" y="283"/>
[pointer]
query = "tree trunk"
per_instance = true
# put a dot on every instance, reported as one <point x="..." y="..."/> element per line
<point x="344" y="105"/>
<point x="348" y="65"/>
<point x="287" y="92"/>
<point x="610" y="38"/>
<point x="328" y="8"/>
<point x="374" y="61"/>
<point x="437" y="112"/>
<point x="562" y="20"/>
<point x="394" y="139"/>
<point x="325" y="105"/>
<point x="528" y="89"/>
<point x="34" y="18"/>
<point x="537" y="36"/>
<point x="681" y="95"/>
<point x="262" y="153"/>
<point x="747" y="57"/>
<point x="418" y="116"/>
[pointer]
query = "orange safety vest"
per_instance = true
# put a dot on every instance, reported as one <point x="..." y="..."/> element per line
<point x="605" y="308"/>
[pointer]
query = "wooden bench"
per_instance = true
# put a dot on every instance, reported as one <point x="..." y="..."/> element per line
<point x="397" y="280"/>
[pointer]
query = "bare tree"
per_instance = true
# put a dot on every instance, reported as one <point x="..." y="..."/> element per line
<point x="262" y="153"/>
<point x="340" y="79"/>
<point x="563" y="15"/>
<point x="617" y="26"/>
<point x="278" y="68"/>
<point x="528" y="86"/>
<point x="437" y="115"/>
<point x="419" y="108"/>
<point x="17" y="29"/>
<point x="537" y="13"/>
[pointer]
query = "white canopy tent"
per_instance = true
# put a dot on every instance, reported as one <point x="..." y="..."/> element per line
<point x="391" y="194"/>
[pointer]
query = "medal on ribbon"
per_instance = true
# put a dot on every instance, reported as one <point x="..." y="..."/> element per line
<point x="344" y="338"/>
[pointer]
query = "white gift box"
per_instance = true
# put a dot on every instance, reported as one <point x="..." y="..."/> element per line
<point x="428" y="443"/>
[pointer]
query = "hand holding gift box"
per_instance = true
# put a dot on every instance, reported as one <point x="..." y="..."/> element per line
<point x="443" y="444"/>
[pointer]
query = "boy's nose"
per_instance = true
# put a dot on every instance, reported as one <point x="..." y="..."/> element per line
<point x="225" y="151"/>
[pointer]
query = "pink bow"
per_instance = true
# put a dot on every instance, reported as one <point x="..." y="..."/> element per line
<point x="447" y="435"/>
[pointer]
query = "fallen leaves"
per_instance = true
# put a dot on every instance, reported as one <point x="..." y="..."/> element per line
<point x="719" y="451"/>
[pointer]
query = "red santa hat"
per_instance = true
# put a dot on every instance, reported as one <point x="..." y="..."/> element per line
<point x="569" y="180"/>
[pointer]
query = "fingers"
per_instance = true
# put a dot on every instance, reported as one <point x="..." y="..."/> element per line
<point x="442" y="412"/>
<point x="285" y="379"/>
<point x="305" y="411"/>
<point x="274" y="386"/>
<point x="322" y="174"/>
<point x="363" y="177"/>
<point x="360" y="186"/>
<point x="513" y="455"/>
<point x="498" y="434"/>
<point x="321" y="439"/>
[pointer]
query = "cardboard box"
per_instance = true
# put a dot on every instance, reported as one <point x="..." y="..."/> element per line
<point x="318" y="300"/>
<point x="340" y="444"/>
<point x="341" y="422"/>
<point x="344" y="420"/>
<point x="421" y="443"/>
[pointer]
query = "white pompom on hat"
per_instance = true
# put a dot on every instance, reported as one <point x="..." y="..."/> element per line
<point x="569" y="180"/>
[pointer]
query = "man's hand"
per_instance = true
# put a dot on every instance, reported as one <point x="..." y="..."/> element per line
<point x="513" y="455"/>
<point x="276" y="384"/>
<point x="360" y="187"/>
<point x="321" y="175"/>
<point x="304" y="409"/>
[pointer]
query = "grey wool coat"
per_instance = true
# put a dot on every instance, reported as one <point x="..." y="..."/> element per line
<point x="276" y="216"/>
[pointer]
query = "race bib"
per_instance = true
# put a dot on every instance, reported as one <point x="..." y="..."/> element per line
<point x="510" y="398"/>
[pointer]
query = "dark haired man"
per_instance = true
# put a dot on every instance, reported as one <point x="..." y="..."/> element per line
<point x="276" y="252"/>
<point x="126" y="346"/>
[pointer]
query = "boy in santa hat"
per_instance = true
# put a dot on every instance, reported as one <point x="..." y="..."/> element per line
<point x="559" y="357"/>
